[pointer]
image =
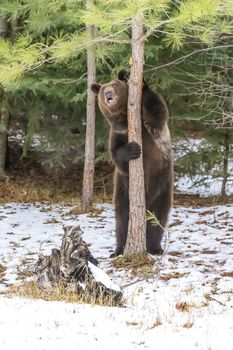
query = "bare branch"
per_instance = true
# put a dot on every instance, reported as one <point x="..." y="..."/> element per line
<point x="181" y="59"/>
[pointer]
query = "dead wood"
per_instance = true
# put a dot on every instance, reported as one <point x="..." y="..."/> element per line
<point x="72" y="267"/>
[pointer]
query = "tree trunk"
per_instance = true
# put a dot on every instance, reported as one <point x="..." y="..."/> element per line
<point x="4" y="115"/>
<point x="89" y="163"/>
<point x="3" y="26"/>
<point x="4" y="124"/>
<point x="14" y="27"/>
<point x="225" y="164"/>
<point x="136" y="239"/>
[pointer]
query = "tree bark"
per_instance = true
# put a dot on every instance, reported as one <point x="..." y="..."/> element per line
<point x="14" y="27"/>
<point x="3" y="26"/>
<point x="4" y="115"/>
<point x="4" y="121"/>
<point x="225" y="164"/>
<point x="89" y="162"/>
<point x="136" y="239"/>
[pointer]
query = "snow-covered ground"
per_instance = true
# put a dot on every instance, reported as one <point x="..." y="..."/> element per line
<point x="202" y="181"/>
<point x="185" y="303"/>
<point x="211" y="186"/>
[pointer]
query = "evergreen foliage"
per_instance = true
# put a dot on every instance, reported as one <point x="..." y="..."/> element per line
<point x="188" y="58"/>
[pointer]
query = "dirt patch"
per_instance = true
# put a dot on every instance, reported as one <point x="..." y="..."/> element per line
<point x="208" y="251"/>
<point x="175" y="253"/>
<point x="227" y="274"/>
<point x="184" y="306"/>
<point x="176" y="223"/>
<point x="31" y="179"/>
<point x="173" y="275"/>
<point x="30" y="183"/>
<point x="188" y="325"/>
<point x="2" y="272"/>
<point x="186" y="200"/>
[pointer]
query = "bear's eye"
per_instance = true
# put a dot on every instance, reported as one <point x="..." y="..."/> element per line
<point x="114" y="85"/>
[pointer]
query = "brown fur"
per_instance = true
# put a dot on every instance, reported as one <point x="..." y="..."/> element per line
<point x="157" y="157"/>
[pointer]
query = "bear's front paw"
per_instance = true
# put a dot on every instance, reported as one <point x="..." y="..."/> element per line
<point x="133" y="150"/>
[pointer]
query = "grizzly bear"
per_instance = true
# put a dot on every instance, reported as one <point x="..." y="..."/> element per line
<point x="157" y="157"/>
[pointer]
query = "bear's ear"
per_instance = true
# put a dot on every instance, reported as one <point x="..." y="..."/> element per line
<point x="123" y="75"/>
<point x="95" y="88"/>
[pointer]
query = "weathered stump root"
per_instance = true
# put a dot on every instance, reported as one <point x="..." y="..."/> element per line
<point x="74" y="267"/>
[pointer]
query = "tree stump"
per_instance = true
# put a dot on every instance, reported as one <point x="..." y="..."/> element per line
<point x="74" y="267"/>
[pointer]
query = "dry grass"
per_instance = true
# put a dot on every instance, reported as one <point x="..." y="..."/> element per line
<point x="22" y="275"/>
<point x="28" y="192"/>
<point x="175" y="275"/>
<point x="2" y="271"/>
<point x="31" y="190"/>
<point x="92" y="211"/>
<point x="141" y="265"/>
<point x="188" y="324"/>
<point x="60" y="293"/>
<point x="133" y="261"/>
<point x="183" y="306"/>
<point x="227" y="274"/>
<point x="31" y="290"/>
<point x="31" y="181"/>
<point x="157" y="323"/>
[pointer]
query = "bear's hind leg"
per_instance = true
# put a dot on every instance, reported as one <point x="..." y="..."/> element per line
<point x="122" y="219"/>
<point x="153" y="239"/>
<point x="121" y="199"/>
<point x="154" y="234"/>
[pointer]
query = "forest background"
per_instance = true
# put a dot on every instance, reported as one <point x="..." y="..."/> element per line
<point x="44" y="71"/>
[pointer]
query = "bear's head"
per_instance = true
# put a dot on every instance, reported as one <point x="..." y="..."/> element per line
<point x="113" y="98"/>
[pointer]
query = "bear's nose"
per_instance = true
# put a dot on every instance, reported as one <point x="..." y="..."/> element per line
<point x="108" y="94"/>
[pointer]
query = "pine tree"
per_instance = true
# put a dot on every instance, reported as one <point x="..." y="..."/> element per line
<point x="4" y="123"/>
<point x="175" y="34"/>
<point x="89" y="161"/>
<point x="4" y="115"/>
<point x="51" y="97"/>
<point x="136" y="238"/>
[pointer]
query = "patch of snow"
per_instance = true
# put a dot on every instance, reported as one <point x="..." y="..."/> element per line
<point x="183" y="146"/>
<point x="101" y="276"/>
<point x="209" y="187"/>
<point x="16" y="135"/>
<point x="186" y="303"/>
<point x="200" y="183"/>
